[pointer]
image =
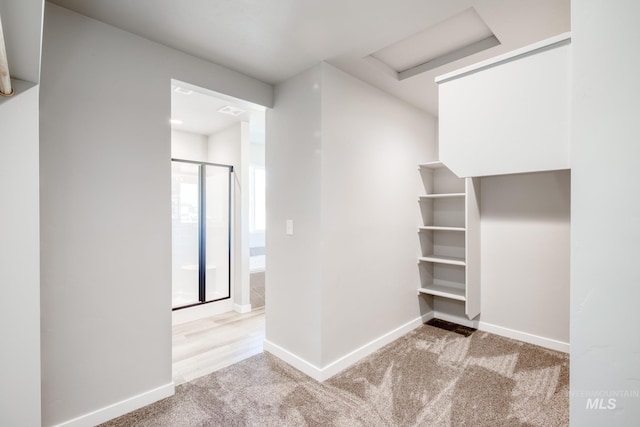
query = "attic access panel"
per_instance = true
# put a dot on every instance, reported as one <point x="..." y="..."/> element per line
<point x="460" y="36"/>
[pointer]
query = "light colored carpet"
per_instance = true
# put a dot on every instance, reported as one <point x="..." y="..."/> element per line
<point x="429" y="377"/>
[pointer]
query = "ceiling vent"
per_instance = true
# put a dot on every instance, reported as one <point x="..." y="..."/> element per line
<point x="460" y="36"/>
<point x="182" y="90"/>
<point x="231" y="110"/>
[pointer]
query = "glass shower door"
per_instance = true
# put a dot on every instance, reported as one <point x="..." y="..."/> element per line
<point x="185" y="217"/>
<point x="217" y="236"/>
<point x="201" y="224"/>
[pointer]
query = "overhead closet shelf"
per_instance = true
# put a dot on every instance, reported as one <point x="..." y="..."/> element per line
<point x="441" y="196"/>
<point x="438" y="228"/>
<point x="443" y="291"/>
<point x="439" y="259"/>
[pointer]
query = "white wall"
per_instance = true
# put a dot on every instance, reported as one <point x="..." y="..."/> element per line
<point x="605" y="278"/>
<point x="525" y="229"/>
<point x="342" y="163"/>
<point x="371" y="146"/>
<point x="293" y="273"/>
<point x="189" y="146"/>
<point x="19" y="217"/>
<point x="106" y="224"/>
<point x="22" y="25"/>
<point x="224" y="146"/>
<point x="20" y="260"/>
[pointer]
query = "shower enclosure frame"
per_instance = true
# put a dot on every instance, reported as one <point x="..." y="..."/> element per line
<point x="202" y="229"/>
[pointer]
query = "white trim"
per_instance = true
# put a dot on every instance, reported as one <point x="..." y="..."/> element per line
<point x="246" y="308"/>
<point x="120" y="408"/>
<point x="322" y="374"/>
<point x="349" y="359"/>
<point x="197" y="312"/>
<point x="333" y="368"/>
<point x="505" y="332"/>
<point x="297" y="362"/>
<point x="524" y="336"/>
<point x="509" y="56"/>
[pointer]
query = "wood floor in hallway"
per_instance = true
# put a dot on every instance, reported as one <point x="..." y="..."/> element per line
<point x="207" y="345"/>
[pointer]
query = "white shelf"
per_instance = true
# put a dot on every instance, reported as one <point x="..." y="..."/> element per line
<point x="439" y="259"/>
<point x="443" y="291"/>
<point x="449" y="237"/>
<point x="441" y="196"/>
<point x="431" y="165"/>
<point x="438" y="228"/>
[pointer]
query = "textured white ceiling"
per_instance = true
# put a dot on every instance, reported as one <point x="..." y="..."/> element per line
<point x="273" y="40"/>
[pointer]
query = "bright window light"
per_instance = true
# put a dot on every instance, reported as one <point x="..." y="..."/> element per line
<point x="258" y="198"/>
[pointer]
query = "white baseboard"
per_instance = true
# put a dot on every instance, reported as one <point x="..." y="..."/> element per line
<point x="197" y="312"/>
<point x="525" y="337"/>
<point x="322" y="374"/>
<point x="297" y="362"/>
<point x="246" y="308"/>
<point x="505" y="332"/>
<point x="123" y="407"/>
<point x="349" y="359"/>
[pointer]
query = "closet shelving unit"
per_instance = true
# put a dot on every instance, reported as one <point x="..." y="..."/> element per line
<point x="450" y="237"/>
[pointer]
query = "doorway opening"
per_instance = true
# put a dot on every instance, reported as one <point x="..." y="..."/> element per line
<point x="218" y="228"/>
